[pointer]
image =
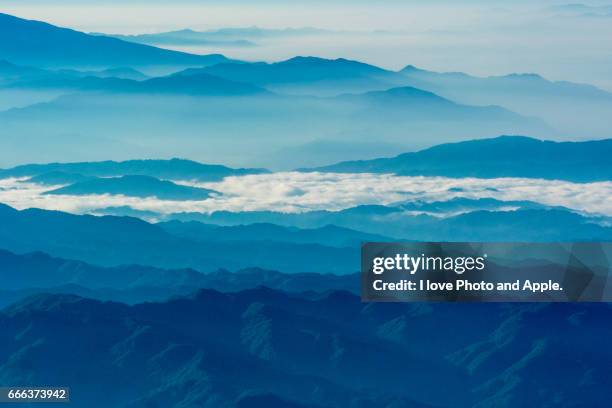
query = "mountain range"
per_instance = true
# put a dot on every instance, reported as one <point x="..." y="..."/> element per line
<point x="44" y="45"/>
<point x="325" y="350"/>
<point x="182" y="38"/>
<point x="506" y="156"/>
<point x="135" y="186"/>
<point x="505" y="222"/>
<point x="114" y="241"/>
<point x="224" y="37"/>
<point x="36" y="272"/>
<point x="240" y="123"/>
<point x="201" y="84"/>
<point x="572" y="108"/>
<point x="304" y="70"/>
<point x="174" y="169"/>
<point x="329" y="235"/>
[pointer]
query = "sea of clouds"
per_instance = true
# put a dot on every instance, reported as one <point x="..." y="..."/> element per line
<point x="298" y="192"/>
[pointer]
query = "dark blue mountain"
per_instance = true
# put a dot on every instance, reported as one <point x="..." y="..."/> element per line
<point x="38" y="270"/>
<point x="115" y="241"/>
<point x="294" y="70"/>
<point x="41" y="44"/>
<point x="10" y="71"/>
<point x="135" y="186"/>
<point x="464" y="205"/>
<point x="31" y="273"/>
<point x="119" y="72"/>
<point x="54" y="178"/>
<point x="527" y="223"/>
<point x="331" y="350"/>
<point x="328" y="235"/>
<point x="408" y="102"/>
<point x="175" y="169"/>
<point x="201" y="84"/>
<point x="505" y="156"/>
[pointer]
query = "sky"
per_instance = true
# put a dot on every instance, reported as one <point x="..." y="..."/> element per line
<point x="556" y="40"/>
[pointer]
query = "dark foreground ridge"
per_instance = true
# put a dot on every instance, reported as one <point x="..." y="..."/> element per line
<point x="328" y="350"/>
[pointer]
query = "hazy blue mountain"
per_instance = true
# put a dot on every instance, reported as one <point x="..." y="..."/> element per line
<point x="174" y="169"/>
<point x="32" y="273"/>
<point x="185" y="37"/>
<point x="513" y="85"/>
<point x="10" y="71"/>
<point x="172" y="115"/>
<point x="412" y="103"/>
<point x="225" y="37"/>
<point x="113" y="241"/>
<point x="297" y="69"/>
<point x="13" y="72"/>
<point x="330" y="350"/>
<point x="119" y="72"/>
<point x="328" y="235"/>
<point x="529" y="223"/>
<point x="54" y="178"/>
<point x="459" y="205"/>
<point x="22" y="86"/>
<point x="201" y="84"/>
<point x="38" y="270"/>
<point x="307" y="75"/>
<point x="135" y="186"/>
<point x="572" y="108"/>
<point x="41" y="44"/>
<point x="505" y="156"/>
<point x="127" y="211"/>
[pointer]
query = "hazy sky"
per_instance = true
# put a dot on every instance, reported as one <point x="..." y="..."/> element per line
<point x="479" y="37"/>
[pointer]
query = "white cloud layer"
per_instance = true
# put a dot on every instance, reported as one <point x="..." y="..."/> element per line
<point x="296" y="192"/>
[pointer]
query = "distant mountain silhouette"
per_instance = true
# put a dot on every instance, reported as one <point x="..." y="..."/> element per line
<point x="54" y="178"/>
<point x="307" y="75"/>
<point x="506" y="156"/>
<point x="119" y="72"/>
<point x="460" y="205"/>
<point x="572" y="108"/>
<point x="36" y="272"/>
<point x="328" y="350"/>
<point x="174" y="169"/>
<point x="528" y="84"/>
<point x="41" y="44"/>
<point x="10" y="71"/>
<point x="200" y="84"/>
<point x="185" y="37"/>
<point x="115" y="82"/>
<point x="513" y="222"/>
<point x="254" y="125"/>
<point x="297" y="69"/>
<point x="407" y="102"/>
<point x="114" y="241"/>
<point x="224" y="37"/>
<point x="135" y="186"/>
<point x="329" y="235"/>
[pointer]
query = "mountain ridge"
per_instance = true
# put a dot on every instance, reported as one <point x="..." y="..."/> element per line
<point x="503" y="156"/>
<point x="42" y="44"/>
<point x="176" y="169"/>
